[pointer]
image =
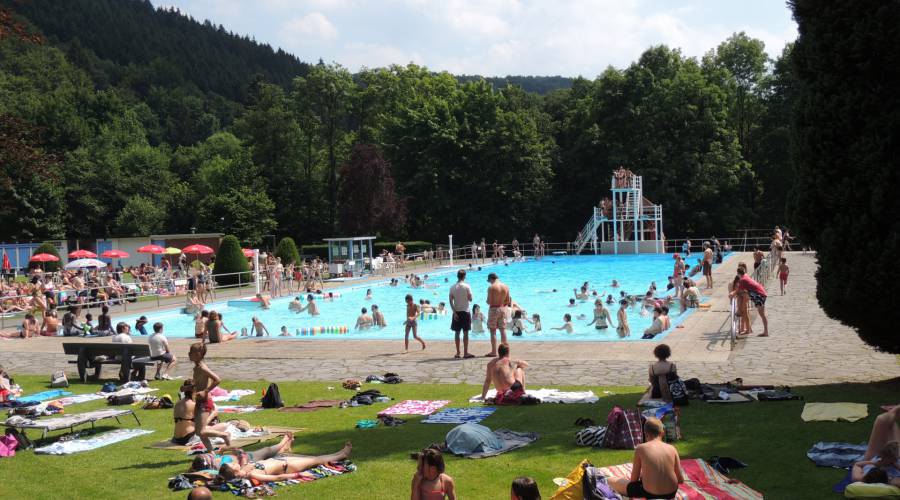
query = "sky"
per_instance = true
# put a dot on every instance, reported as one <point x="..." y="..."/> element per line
<point x="494" y="37"/>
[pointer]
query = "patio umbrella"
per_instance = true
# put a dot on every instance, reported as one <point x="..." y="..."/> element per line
<point x="82" y="254"/>
<point x="6" y="265"/>
<point x="80" y="263"/>
<point x="152" y="249"/>
<point x="172" y="251"/>
<point x="43" y="257"/>
<point x="198" y="250"/>
<point x="115" y="254"/>
<point x="248" y="252"/>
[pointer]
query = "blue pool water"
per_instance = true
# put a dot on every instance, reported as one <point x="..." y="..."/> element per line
<point x="529" y="282"/>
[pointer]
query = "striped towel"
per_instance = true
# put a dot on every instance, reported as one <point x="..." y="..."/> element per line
<point x="701" y="482"/>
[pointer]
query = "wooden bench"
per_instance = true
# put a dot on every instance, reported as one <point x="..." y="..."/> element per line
<point x="89" y="356"/>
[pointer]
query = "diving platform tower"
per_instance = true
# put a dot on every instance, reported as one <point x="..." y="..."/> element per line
<point x="628" y="223"/>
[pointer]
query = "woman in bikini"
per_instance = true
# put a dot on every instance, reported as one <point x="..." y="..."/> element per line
<point x="430" y="482"/>
<point x="184" y="419"/>
<point x="214" y="461"/>
<point x="602" y="319"/>
<point x="281" y="467"/>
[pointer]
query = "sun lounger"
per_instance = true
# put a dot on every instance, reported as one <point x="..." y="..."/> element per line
<point x="68" y="421"/>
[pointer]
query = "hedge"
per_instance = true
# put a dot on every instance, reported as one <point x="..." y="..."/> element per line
<point x="50" y="267"/>
<point x="231" y="259"/>
<point x="287" y="251"/>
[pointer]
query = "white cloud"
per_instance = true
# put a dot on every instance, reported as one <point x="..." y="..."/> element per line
<point x="313" y="25"/>
<point x="371" y="55"/>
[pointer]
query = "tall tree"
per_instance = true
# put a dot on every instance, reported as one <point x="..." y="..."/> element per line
<point x="368" y="200"/>
<point x="845" y="204"/>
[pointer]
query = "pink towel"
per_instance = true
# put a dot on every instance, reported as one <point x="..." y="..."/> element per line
<point x="8" y="445"/>
<point x="414" y="407"/>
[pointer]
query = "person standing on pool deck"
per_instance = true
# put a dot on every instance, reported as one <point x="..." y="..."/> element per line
<point x="707" y="264"/>
<point x="204" y="380"/>
<point x="411" y="324"/>
<point x="757" y="295"/>
<point x="460" y="297"/>
<point x="498" y="299"/>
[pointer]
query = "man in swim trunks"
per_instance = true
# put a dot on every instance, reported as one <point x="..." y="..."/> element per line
<point x="498" y="299"/>
<point x="460" y="297"/>
<point x="707" y="264"/>
<point x="757" y="294"/>
<point x="507" y="376"/>
<point x="656" y="467"/>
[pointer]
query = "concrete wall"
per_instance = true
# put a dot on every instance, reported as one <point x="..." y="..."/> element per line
<point x="627" y="247"/>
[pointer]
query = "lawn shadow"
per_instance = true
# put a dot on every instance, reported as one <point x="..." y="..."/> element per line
<point x="153" y="465"/>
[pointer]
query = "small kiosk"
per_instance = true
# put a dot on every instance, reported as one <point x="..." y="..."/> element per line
<point x="349" y="256"/>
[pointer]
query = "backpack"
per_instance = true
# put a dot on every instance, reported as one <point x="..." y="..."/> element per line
<point x="677" y="389"/>
<point x="272" y="397"/>
<point x="120" y="400"/>
<point x="595" y="486"/>
<point x="58" y="379"/>
<point x="392" y="378"/>
<point x="108" y="387"/>
<point x="623" y="429"/>
<point x="590" y="436"/>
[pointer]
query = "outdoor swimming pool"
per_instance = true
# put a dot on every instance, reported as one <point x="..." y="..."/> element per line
<point x="531" y="284"/>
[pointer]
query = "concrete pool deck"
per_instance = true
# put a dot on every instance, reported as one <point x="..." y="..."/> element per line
<point x="806" y="347"/>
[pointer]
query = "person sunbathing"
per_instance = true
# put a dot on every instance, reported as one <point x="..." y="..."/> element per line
<point x="507" y="376"/>
<point x="214" y="461"/>
<point x="656" y="467"/>
<point x="280" y="468"/>
<point x="881" y="469"/>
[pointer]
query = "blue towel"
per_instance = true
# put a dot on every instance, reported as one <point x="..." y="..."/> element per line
<point x="43" y="396"/>
<point x="837" y="455"/>
<point x="460" y="415"/>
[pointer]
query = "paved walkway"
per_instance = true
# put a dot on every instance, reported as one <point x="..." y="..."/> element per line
<point x="806" y="347"/>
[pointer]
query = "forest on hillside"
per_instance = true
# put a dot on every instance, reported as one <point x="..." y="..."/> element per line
<point x="103" y="133"/>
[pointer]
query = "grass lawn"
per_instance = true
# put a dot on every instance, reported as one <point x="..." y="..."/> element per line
<point x="770" y="437"/>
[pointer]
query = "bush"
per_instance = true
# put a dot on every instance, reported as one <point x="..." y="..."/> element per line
<point x="287" y="251"/>
<point x="230" y="259"/>
<point x="50" y="248"/>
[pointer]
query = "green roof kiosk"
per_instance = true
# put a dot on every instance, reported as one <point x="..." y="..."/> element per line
<point x="350" y="255"/>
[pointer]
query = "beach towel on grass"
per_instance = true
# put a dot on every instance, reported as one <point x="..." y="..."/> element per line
<point x="43" y="396"/>
<point x="79" y="398"/>
<point x="833" y="412"/>
<point x="314" y="405"/>
<point x="233" y="395"/>
<point x="701" y="482"/>
<point x="90" y="443"/>
<point x="237" y="409"/>
<point x="460" y="415"/>
<point x="242" y="487"/>
<point x="837" y="455"/>
<point x="415" y="407"/>
<point x="548" y="396"/>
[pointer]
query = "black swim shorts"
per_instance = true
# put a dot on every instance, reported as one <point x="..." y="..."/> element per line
<point x="462" y="320"/>
<point x="636" y="489"/>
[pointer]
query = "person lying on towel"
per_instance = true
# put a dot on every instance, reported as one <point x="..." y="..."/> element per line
<point x="508" y="377"/>
<point x="656" y="471"/>
<point x="281" y="467"/>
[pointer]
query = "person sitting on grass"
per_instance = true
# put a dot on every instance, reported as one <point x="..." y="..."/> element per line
<point x="656" y="471"/>
<point x="280" y="468"/>
<point x="430" y="482"/>
<point x="880" y="469"/>
<point x="524" y="488"/>
<point x="507" y="376"/>
<point x="885" y="429"/>
<point x="185" y="428"/>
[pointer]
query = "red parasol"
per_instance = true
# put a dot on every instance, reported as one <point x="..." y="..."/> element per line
<point x="6" y="265"/>
<point x="115" y="254"/>
<point x="247" y="252"/>
<point x="198" y="249"/>
<point x="44" y="257"/>
<point x="154" y="249"/>
<point x="82" y="254"/>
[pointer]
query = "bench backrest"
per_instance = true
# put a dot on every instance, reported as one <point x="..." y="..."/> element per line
<point x="106" y="348"/>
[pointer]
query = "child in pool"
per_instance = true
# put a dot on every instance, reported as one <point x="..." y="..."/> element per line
<point x="518" y="324"/>
<point x="567" y="325"/>
<point x="369" y="294"/>
<point x="623" y="329"/>
<point x="536" y="321"/>
<point x="477" y="319"/>
<point x="284" y="332"/>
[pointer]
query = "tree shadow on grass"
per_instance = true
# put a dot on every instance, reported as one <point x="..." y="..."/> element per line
<point x="153" y="465"/>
